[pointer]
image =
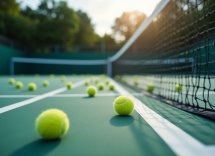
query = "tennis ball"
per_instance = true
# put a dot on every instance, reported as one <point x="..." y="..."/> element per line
<point x="63" y="78"/>
<point x="86" y="82"/>
<point x="52" y="76"/>
<point x="117" y="77"/>
<point x="150" y="87"/>
<point x="107" y="81"/>
<point x="101" y="86"/>
<point x="69" y="85"/>
<point x="73" y="74"/>
<point x="111" y="87"/>
<point x="91" y="78"/>
<point x="19" y="85"/>
<point x="52" y="124"/>
<point x="11" y="81"/>
<point x="124" y="80"/>
<point x="91" y="90"/>
<point x="178" y="87"/>
<point x="96" y="80"/>
<point x="37" y="75"/>
<point x="32" y="86"/>
<point x="103" y="76"/>
<point x="135" y="82"/>
<point x="136" y="77"/>
<point x="123" y="105"/>
<point x="45" y="83"/>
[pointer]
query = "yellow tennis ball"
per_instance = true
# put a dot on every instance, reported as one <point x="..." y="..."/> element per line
<point x="19" y="84"/>
<point x="52" y="76"/>
<point x="150" y="87"/>
<point x="37" y="75"/>
<point x="136" y="77"/>
<point x="124" y="80"/>
<point x="63" y="78"/>
<point x="91" y="90"/>
<point x="117" y="77"/>
<point x="52" y="124"/>
<point x="135" y="82"/>
<point x="69" y="85"/>
<point x="101" y="86"/>
<point x="107" y="81"/>
<point x="11" y="81"/>
<point x="96" y="80"/>
<point x="123" y="105"/>
<point x="178" y="87"/>
<point x="102" y="76"/>
<point x="111" y="87"/>
<point x="86" y="82"/>
<point x="32" y="86"/>
<point x="45" y="83"/>
<point x="92" y="78"/>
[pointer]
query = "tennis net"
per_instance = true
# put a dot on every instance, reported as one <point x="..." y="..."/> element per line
<point x="175" y="45"/>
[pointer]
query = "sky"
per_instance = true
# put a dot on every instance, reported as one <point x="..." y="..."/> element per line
<point x="103" y="12"/>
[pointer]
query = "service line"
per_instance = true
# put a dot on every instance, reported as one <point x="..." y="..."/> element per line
<point x="178" y="140"/>
<point x="37" y="98"/>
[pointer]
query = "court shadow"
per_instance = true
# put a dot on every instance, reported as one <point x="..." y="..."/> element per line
<point x="88" y="97"/>
<point x="120" y="121"/>
<point x="39" y="147"/>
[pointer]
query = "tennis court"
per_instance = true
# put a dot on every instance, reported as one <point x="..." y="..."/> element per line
<point x="165" y="70"/>
<point x="95" y="128"/>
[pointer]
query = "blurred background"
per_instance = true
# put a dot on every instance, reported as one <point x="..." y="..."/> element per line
<point x="47" y="26"/>
<point x="78" y="30"/>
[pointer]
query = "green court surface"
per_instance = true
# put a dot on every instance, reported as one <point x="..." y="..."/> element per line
<point x="95" y="128"/>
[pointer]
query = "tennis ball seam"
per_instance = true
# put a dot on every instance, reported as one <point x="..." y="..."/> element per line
<point x="62" y="128"/>
<point x="122" y="102"/>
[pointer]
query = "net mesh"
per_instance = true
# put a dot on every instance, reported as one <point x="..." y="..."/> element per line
<point x="178" y="47"/>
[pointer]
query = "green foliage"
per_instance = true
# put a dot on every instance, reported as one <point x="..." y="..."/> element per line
<point x="127" y="24"/>
<point x="9" y="7"/>
<point x="51" y="23"/>
<point x="57" y="25"/>
<point x="109" y="39"/>
<point x="86" y="34"/>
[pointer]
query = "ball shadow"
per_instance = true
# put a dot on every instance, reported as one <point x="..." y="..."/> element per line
<point x="88" y="97"/>
<point x="120" y="121"/>
<point x="38" y="147"/>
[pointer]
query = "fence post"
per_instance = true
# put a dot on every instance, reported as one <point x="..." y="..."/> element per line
<point x="56" y="48"/>
<point x="103" y="45"/>
<point x="77" y="48"/>
<point x="109" y="67"/>
<point x="11" y="67"/>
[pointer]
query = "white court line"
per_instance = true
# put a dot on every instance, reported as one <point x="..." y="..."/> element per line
<point x="23" y="103"/>
<point x="68" y="95"/>
<point x="178" y="140"/>
<point x="17" y="96"/>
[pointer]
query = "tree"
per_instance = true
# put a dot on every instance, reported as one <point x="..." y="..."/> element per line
<point x="9" y="7"/>
<point x="109" y="40"/>
<point x="51" y="23"/>
<point x="126" y="25"/>
<point x="13" y="25"/>
<point x="58" y="24"/>
<point x="86" y="33"/>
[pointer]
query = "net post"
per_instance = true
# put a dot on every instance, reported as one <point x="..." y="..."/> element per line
<point x="109" y="67"/>
<point x="11" y="67"/>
